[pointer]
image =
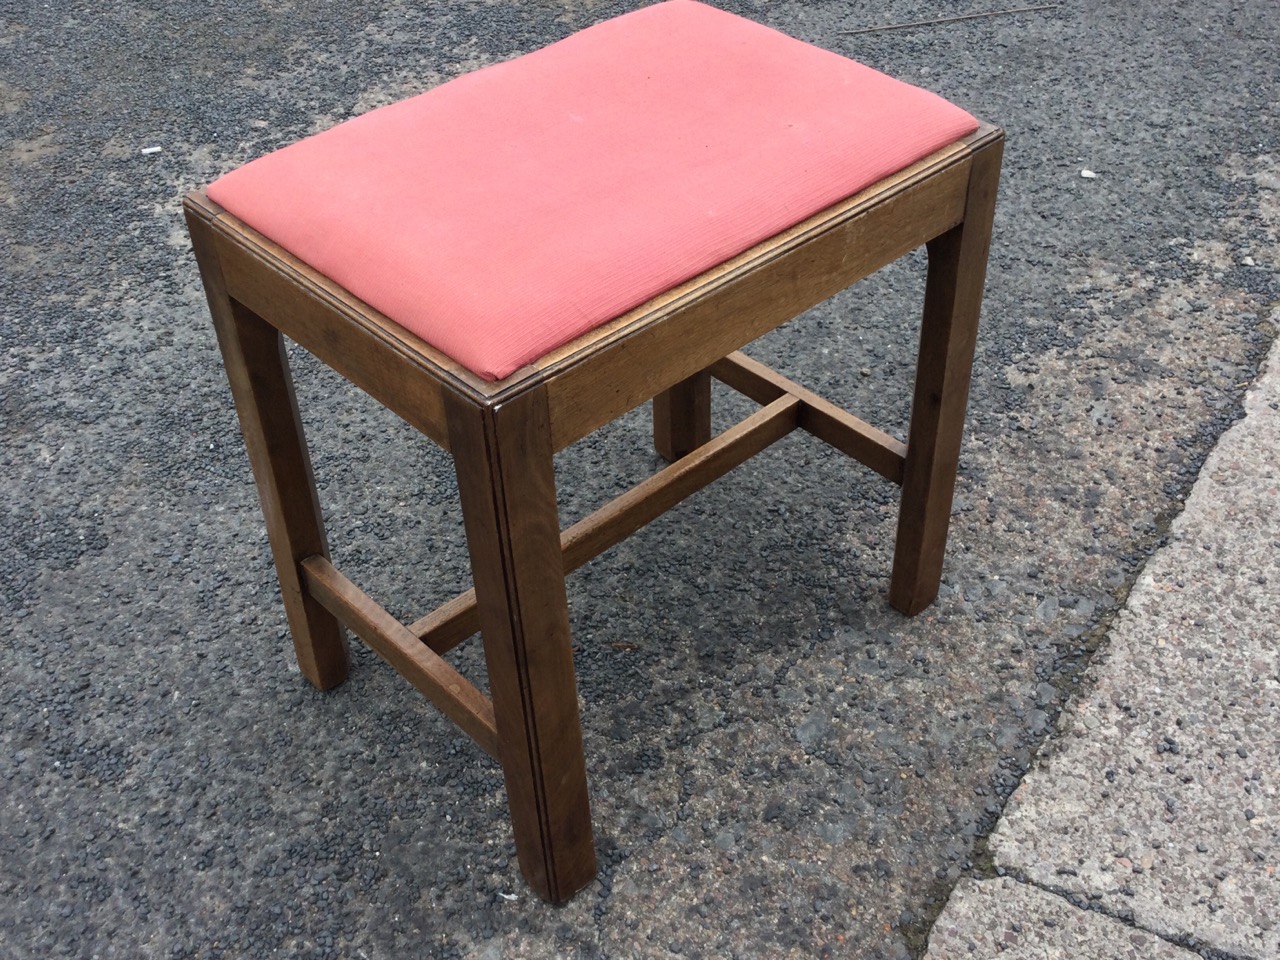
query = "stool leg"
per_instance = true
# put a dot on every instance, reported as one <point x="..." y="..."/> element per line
<point x="953" y="297"/>
<point x="682" y="417"/>
<point x="507" y="485"/>
<point x="258" y="370"/>
<point x="256" y="364"/>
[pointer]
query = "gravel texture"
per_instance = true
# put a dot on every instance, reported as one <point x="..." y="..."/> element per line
<point x="780" y="765"/>
<point x="1162" y="800"/>
<point x="986" y="919"/>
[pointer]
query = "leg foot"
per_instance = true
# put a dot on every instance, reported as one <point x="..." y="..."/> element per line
<point x="258" y="371"/>
<point x="682" y="417"/>
<point x="507" y="485"/>
<point x="953" y="297"/>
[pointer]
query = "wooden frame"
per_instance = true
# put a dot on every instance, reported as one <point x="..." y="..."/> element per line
<point x="502" y="437"/>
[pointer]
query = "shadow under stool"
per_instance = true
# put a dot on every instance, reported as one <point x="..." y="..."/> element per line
<point x="517" y="257"/>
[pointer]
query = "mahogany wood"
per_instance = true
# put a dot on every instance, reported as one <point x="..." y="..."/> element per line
<point x="444" y="686"/>
<point x="664" y="303"/>
<point x="682" y="417"/>
<point x="777" y="281"/>
<point x="822" y="418"/>
<point x="506" y="481"/>
<point x="393" y="366"/>
<point x="653" y="497"/>
<point x="503" y="436"/>
<point x="258" y="371"/>
<point x="953" y="297"/>
<point x="591" y="536"/>
<point x="448" y="624"/>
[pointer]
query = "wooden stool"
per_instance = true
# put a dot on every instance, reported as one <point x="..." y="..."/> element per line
<point x="519" y="256"/>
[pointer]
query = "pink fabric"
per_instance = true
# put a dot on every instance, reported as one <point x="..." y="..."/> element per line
<point x="508" y="211"/>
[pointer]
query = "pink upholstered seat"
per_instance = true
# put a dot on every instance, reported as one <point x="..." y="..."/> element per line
<point x="508" y="211"/>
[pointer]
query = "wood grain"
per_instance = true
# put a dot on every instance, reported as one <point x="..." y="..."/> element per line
<point x="822" y="418"/>
<point x="456" y="620"/>
<point x="952" y="302"/>
<point x="507" y="486"/>
<point x="503" y="436"/>
<point x="402" y="372"/>
<point x="651" y="498"/>
<point x="599" y="337"/>
<point x="725" y="309"/>
<point x="444" y="686"/>
<point x="448" y="624"/>
<point x="258" y="372"/>
<point x="682" y="417"/>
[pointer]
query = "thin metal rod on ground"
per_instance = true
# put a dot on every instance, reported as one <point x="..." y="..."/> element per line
<point x="966" y="16"/>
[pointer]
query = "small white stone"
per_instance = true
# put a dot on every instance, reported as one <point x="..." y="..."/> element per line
<point x="147" y="151"/>
<point x="1088" y="175"/>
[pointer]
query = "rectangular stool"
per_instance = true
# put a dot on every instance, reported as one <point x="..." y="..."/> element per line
<point x="516" y="258"/>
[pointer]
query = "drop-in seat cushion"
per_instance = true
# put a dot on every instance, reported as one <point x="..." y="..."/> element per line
<point x="504" y="213"/>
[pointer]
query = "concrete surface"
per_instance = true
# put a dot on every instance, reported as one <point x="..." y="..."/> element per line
<point x="1016" y="921"/>
<point x="780" y="765"/>
<point x="1161" y="801"/>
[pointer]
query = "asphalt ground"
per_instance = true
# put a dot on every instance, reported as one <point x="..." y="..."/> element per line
<point x="780" y="765"/>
